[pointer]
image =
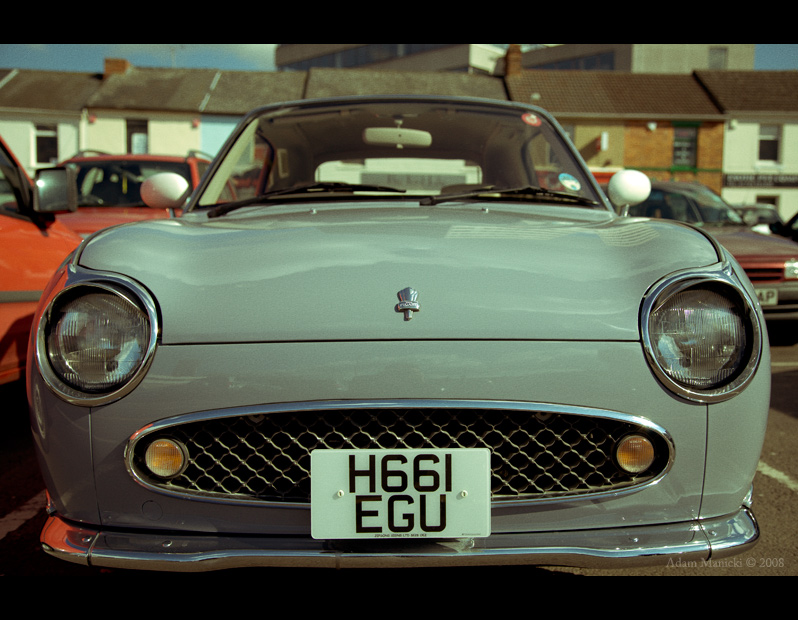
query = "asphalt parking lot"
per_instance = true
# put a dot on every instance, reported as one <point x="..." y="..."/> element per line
<point x="775" y="501"/>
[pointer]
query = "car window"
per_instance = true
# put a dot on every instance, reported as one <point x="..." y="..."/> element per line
<point x="690" y="203"/>
<point x="767" y="216"/>
<point x="8" y="199"/>
<point x="666" y="205"/>
<point x="118" y="183"/>
<point x="712" y="208"/>
<point x="419" y="148"/>
<point x="228" y="192"/>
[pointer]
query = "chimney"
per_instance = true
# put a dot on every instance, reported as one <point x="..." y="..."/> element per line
<point x="512" y="61"/>
<point x="115" y="66"/>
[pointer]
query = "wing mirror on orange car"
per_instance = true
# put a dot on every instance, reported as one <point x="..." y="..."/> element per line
<point x="55" y="190"/>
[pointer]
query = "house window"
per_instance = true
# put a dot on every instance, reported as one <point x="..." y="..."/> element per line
<point x="685" y="146"/>
<point x="46" y="144"/>
<point x="718" y="58"/>
<point x="769" y="139"/>
<point x="767" y="200"/>
<point x="137" y="137"/>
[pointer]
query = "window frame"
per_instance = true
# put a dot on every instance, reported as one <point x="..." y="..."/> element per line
<point x="46" y="141"/>
<point x="685" y="144"/>
<point x="769" y="136"/>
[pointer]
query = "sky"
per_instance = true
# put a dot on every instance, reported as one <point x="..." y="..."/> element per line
<point x="89" y="57"/>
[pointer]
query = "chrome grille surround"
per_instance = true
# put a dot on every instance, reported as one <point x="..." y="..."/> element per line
<point x="261" y="455"/>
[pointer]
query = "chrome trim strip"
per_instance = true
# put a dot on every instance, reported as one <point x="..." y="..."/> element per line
<point x="16" y="297"/>
<point x="720" y="273"/>
<point x="405" y="404"/>
<point x="119" y="285"/>
<point x="690" y="543"/>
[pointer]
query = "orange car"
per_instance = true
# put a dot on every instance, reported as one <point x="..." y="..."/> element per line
<point x="108" y="187"/>
<point x="32" y="246"/>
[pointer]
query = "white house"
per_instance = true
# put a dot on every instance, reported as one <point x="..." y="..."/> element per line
<point x="760" y="148"/>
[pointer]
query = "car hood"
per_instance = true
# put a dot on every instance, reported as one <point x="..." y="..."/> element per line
<point x="335" y="273"/>
<point x="743" y="242"/>
<point x="87" y="220"/>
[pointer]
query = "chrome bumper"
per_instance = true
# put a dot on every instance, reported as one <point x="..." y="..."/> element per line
<point x="615" y="548"/>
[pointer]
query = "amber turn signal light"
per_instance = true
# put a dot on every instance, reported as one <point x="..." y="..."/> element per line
<point x="634" y="454"/>
<point x="165" y="458"/>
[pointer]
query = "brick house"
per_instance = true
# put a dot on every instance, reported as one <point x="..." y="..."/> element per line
<point x="665" y="125"/>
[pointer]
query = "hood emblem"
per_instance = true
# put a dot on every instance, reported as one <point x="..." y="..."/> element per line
<point x="407" y="302"/>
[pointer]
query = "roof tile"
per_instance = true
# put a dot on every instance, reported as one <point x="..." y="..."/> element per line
<point x="752" y="91"/>
<point x="611" y="93"/>
<point x="47" y="90"/>
<point x="337" y="82"/>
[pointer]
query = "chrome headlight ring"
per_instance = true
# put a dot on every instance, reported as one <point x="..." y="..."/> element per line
<point x="702" y="334"/>
<point x="96" y="340"/>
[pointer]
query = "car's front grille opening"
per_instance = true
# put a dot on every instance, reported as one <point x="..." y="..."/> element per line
<point x="534" y="455"/>
<point x="765" y="274"/>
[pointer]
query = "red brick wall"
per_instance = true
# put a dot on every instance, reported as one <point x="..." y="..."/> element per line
<point x="652" y="152"/>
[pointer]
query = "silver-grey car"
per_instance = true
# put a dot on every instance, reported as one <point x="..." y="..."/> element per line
<point x="419" y="335"/>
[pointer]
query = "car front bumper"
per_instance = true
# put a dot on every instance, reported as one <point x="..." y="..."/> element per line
<point x="692" y="541"/>
<point x="779" y="300"/>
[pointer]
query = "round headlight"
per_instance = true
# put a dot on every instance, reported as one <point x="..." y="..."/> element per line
<point x="702" y="338"/>
<point x="699" y="338"/>
<point x="95" y="341"/>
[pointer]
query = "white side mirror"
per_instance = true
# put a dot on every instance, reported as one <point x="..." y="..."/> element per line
<point x="165" y="190"/>
<point x="628" y="188"/>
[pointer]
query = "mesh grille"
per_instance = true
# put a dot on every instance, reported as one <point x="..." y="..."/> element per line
<point x="267" y="457"/>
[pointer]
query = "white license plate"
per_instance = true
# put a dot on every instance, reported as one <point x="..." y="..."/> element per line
<point x="768" y="296"/>
<point x="400" y="493"/>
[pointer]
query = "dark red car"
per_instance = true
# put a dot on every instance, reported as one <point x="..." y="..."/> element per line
<point x="771" y="262"/>
<point x="108" y="187"/>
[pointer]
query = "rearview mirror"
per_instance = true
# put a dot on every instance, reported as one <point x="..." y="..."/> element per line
<point x="396" y="136"/>
<point x="55" y="190"/>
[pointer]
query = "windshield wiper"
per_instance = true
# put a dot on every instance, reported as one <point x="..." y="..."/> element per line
<point x="490" y="191"/>
<point x="308" y="188"/>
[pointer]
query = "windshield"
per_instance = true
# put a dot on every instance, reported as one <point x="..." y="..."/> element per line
<point x="713" y="209"/>
<point x="396" y="149"/>
<point x="759" y="215"/>
<point x="118" y="182"/>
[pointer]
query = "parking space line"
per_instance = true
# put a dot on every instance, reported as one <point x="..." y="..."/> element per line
<point x="781" y="477"/>
<point x="16" y="519"/>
